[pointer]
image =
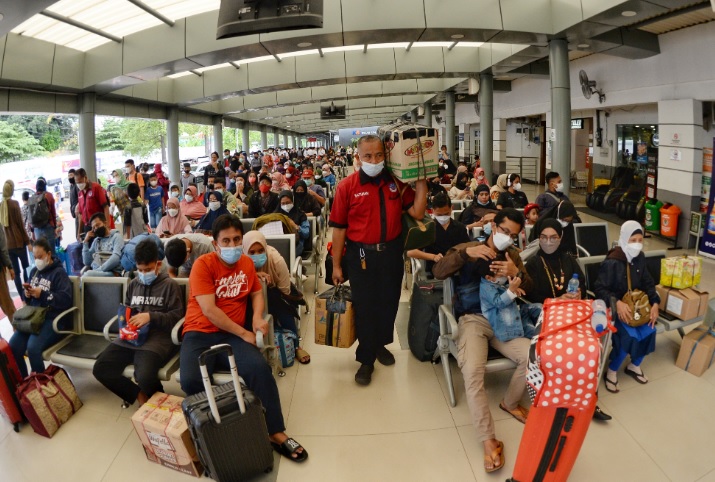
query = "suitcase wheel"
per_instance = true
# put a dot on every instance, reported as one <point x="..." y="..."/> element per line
<point x="281" y="373"/>
<point x="16" y="427"/>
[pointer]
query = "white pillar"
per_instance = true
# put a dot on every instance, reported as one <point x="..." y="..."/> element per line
<point x="172" y="140"/>
<point x="87" y="144"/>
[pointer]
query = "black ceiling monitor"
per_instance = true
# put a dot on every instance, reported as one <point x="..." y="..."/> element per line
<point x="247" y="17"/>
<point x="332" y="112"/>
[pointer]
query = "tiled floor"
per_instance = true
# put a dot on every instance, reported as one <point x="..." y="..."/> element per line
<point x="401" y="427"/>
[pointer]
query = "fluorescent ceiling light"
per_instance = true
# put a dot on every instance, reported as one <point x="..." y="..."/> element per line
<point x="392" y="45"/>
<point x="470" y="44"/>
<point x="297" y="53"/>
<point x="343" y="48"/>
<point x="213" y="67"/>
<point x="628" y="13"/>
<point x="431" y="44"/>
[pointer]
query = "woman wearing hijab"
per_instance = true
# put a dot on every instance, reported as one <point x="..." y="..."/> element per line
<point x="473" y="215"/>
<point x="162" y="181"/>
<point x="118" y="191"/>
<point x="304" y="201"/>
<point x="461" y="189"/>
<point x="498" y="188"/>
<point x="513" y="197"/>
<point x="479" y="179"/>
<point x="279" y="182"/>
<point x="291" y="176"/>
<point x="174" y="222"/>
<point x="297" y="216"/>
<point x="15" y="234"/>
<point x="216" y="209"/>
<point x="191" y="207"/>
<point x="612" y="283"/>
<point x="271" y="267"/>
<point x="565" y="214"/>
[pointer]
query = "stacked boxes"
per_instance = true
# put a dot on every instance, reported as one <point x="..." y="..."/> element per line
<point x="681" y="272"/>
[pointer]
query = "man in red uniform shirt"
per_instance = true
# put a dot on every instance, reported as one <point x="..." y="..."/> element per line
<point x="221" y="284"/>
<point x="91" y="199"/>
<point x="367" y="218"/>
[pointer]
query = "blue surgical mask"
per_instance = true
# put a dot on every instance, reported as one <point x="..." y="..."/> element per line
<point x="487" y="229"/>
<point x="231" y="254"/>
<point x="146" y="278"/>
<point x="483" y="204"/>
<point x="259" y="260"/>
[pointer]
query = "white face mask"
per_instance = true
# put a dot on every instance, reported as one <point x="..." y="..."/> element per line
<point x="563" y="223"/>
<point x="633" y="249"/>
<point x="286" y="207"/>
<point x="559" y="187"/>
<point x="81" y="186"/>
<point x="214" y="205"/>
<point x="517" y="186"/>
<point x="443" y="219"/>
<point x="41" y="264"/>
<point x="289" y="175"/>
<point x="175" y="194"/>
<point x="189" y="198"/>
<point x="372" y="170"/>
<point x="501" y="241"/>
<point x="153" y="183"/>
<point x="173" y="212"/>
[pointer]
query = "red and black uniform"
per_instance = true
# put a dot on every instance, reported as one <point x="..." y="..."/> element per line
<point x="370" y="210"/>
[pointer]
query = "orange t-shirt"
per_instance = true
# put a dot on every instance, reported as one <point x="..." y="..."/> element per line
<point x="136" y="178"/>
<point x="231" y="286"/>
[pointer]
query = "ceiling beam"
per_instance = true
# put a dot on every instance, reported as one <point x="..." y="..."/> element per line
<point x="152" y="12"/>
<point x="83" y="26"/>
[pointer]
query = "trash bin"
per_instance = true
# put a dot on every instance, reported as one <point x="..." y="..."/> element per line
<point x="669" y="220"/>
<point x="652" y="214"/>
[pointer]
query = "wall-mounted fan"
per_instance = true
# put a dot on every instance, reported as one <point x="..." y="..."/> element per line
<point x="438" y="119"/>
<point x="588" y="87"/>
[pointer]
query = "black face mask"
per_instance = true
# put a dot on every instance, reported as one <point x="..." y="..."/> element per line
<point x="72" y="181"/>
<point x="210" y="186"/>
<point x="187" y="171"/>
<point x="100" y="232"/>
<point x="461" y="185"/>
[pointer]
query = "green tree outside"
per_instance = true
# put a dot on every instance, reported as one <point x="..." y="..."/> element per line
<point x="16" y="144"/>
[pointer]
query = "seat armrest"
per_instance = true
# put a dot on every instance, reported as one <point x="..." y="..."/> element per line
<point x="176" y="331"/>
<point x="109" y="324"/>
<point x="447" y="322"/>
<point x="298" y="273"/>
<point x="56" y="322"/>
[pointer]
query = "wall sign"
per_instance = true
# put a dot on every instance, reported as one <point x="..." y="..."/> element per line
<point x="576" y="123"/>
<point x="676" y="155"/>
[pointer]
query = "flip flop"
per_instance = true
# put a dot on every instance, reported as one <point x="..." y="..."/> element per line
<point x="496" y="455"/>
<point x="639" y="377"/>
<point x="610" y="383"/>
<point x="300" y="355"/>
<point x="519" y="413"/>
<point x="288" y="448"/>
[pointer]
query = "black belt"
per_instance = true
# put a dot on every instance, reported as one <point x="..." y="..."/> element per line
<point x="372" y="247"/>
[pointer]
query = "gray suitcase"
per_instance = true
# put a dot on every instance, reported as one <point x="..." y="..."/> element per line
<point x="228" y="427"/>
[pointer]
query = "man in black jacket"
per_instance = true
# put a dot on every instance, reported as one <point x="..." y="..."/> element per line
<point x="158" y="301"/>
<point x="74" y="198"/>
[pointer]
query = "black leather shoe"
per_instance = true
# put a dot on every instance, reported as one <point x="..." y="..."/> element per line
<point x="385" y="357"/>
<point x="364" y="374"/>
<point x="601" y="415"/>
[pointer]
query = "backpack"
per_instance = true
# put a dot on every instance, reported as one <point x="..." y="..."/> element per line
<point x="39" y="210"/>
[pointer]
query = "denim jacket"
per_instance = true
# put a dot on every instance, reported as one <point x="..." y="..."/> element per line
<point x="501" y="311"/>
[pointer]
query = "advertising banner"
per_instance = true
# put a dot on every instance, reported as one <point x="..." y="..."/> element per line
<point x="707" y="242"/>
<point x="349" y="137"/>
<point x="707" y="178"/>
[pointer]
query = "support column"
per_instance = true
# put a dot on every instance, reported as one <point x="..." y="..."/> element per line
<point x="560" y="108"/>
<point x="172" y="140"/>
<point x="680" y="160"/>
<point x="486" y="126"/>
<point x="428" y="114"/>
<point x="245" y="138"/>
<point x="413" y="116"/>
<point x="87" y="143"/>
<point x="218" y="135"/>
<point x="499" y="146"/>
<point x="264" y="138"/>
<point x="449" y="121"/>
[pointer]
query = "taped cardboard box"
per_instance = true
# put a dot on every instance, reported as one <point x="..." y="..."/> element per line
<point x="411" y="151"/>
<point x="334" y="326"/>
<point x="683" y="304"/>
<point x="162" y="429"/>
<point x="697" y="351"/>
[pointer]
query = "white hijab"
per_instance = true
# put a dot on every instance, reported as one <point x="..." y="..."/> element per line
<point x="627" y="230"/>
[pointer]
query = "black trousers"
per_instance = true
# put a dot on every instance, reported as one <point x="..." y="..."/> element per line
<point x="376" y="296"/>
<point x="114" y="359"/>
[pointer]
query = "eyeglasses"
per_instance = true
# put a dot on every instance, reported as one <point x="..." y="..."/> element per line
<point x="549" y="239"/>
<point x="504" y="231"/>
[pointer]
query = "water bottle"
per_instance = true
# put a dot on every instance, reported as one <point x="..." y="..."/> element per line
<point x="599" y="319"/>
<point x="573" y="285"/>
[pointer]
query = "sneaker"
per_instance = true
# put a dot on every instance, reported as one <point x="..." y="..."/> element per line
<point x="364" y="374"/>
<point x="385" y="357"/>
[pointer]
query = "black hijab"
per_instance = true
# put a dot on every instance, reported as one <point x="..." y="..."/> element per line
<point x="296" y="214"/>
<point x="568" y="236"/>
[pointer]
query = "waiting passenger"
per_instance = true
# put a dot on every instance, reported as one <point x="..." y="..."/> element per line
<point x="136" y="216"/>
<point x="283" y="301"/>
<point x="229" y="201"/>
<point x="498" y="188"/>
<point x="155" y="198"/>
<point x="314" y="190"/>
<point x="460" y="189"/>
<point x="304" y="201"/>
<point x="221" y="285"/>
<point x="624" y="269"/>
<point x="328" y="175"/>
<point x="43" y="214"/>
<point x="15" y="235"/>
<point x="128" y="253"/>
<point x="474" y="215"/>
<point x="565" y="213"/>
<point x="174" y="192"/>
<point x="216" y="209"/>
<point x="191" y="207"/>
<point x="155" y="300"/>
<point x="479" y="178"/>
<point x="183" y="250"/>
<point x="297" y="217"/>
<point x="174" y="222"/>
<point x="514" y="197"/>
<point x="476" y="334"/>
<point x="449" y="233"/>
<point x="102" y="250"/>
<point x="554" y="193"/>
<point x="264" y="201"/>
<point x="6" y="303"/>
<point x="51" y="288"/>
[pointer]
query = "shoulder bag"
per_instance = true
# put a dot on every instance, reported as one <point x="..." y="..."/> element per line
<point x="416" y="233"/>
<point x="638" y="302"/>
<point x="29" y="319"/>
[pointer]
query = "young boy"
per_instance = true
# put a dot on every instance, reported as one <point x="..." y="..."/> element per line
<point x="155" y="200"/>
<point x="159" y="303"/>
<point x="135" y="216"/>
<point x="531" y="213"/>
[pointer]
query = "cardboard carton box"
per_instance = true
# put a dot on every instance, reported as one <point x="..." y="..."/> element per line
<point x="681" y="272"/>
<point x="163" y="431"/>
<point x="402" y="147"/>
<point x="334" y="329"/>
<point x="684" y="304"/>
<point x="697" y="351"/>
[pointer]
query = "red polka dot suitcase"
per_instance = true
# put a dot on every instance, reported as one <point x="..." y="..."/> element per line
<point x="565" y="363"/>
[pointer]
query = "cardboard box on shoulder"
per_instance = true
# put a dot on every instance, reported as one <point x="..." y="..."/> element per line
<point x="333" y="328"/>
<point x="162" y="429"/>
<point x="684" y="304"/>
<point x="697" y="351"/>
<point x="404" y="158"/>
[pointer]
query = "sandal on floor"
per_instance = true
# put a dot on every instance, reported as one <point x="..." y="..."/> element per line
<point x="496" y="456"/>
<point x="301" y="355"/>
<point x="639" y="377"/>
<point x="288" y="448"/>
<point x="519" y="413"/>
<point x="611" y="386"/>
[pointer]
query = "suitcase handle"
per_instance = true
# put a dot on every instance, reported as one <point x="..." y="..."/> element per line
<point x="215" y="350"/>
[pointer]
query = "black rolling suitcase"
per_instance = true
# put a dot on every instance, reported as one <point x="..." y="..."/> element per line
<point x="228" y="427"/>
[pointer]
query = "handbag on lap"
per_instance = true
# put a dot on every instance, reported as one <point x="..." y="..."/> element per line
<point x="638" y="302"/>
